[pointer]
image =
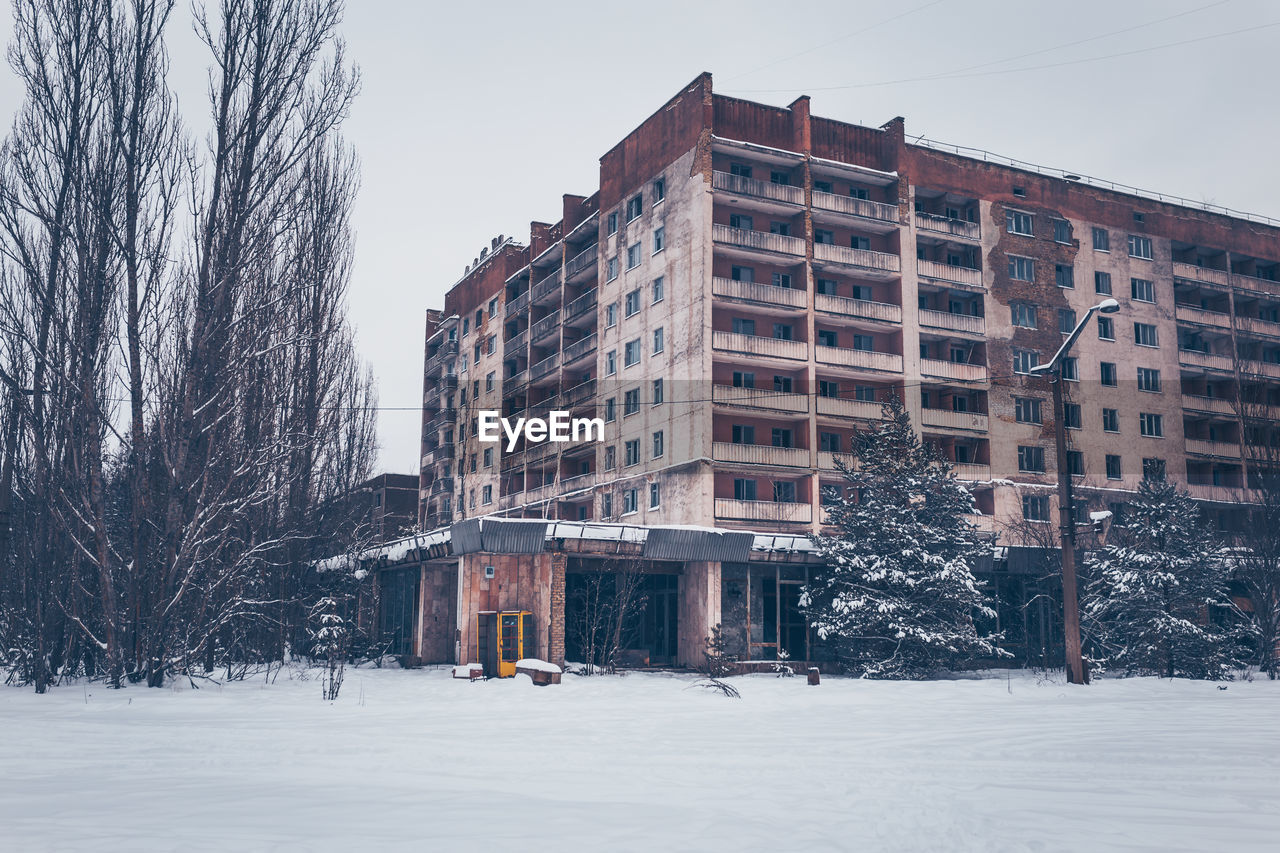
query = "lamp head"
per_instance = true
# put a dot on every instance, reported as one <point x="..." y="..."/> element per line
<point x="1108" y="306"/>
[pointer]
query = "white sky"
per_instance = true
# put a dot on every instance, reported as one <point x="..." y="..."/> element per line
<point x="476" y="117"/>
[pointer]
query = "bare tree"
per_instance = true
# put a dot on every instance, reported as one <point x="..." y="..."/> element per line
<point x="602" y="610"/>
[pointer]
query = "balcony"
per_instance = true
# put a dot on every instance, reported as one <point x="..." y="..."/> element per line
<point x="443" y="485"/>
<point x="738" y="185"/>
<point x="838" y="407"/>
<point x="965" y="323"/>
<point x="859" y="207"/>
<point x="759" y="345"/>
<point x="766" y="294"/>
<point x="515" y="383"/>
<point x="545" y="288"/>
<point x="544" y="367"/>
<point x="760" y="398"/>
<point x="984" y="523"/>
<point x="1223" y="494"/>
<point x="1221" y="449"/>
<point x="972" y="473"/>
<point x="760" y="454"/>
<point x="577" y="482"/>
<point x="1261" y="368"/>
<point x="1195" y="358"/>
<point x="1192" y="314"/>
<point x="516" y="343"/>
<point x="515" y="306"/>
<point x="580" y="393"/>
<point x="580" y="263"/>
<point x="952" y="370"/>
<point x="1217" y="405"/>
<point x="541" y="328"/>
<point x="1191" y="272"/>
<point x="580" y="306"/>
<point x="947" y="419"/>
<point x="858" y="358"/>
<point x="858" y="308"/>
<point x="949" y="273"/>
<point x="1256" y="326"/>
<point x="578" y="349"/>
<point x="827" y="460"/>
<point x="793" y="513"/>
<point x="947" y="225"/>
<point x="759" y="240"/>
<point x="861" y="258"/>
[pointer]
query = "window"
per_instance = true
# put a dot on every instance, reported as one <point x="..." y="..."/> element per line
<point x="1020" y="192"/>
<point x="1071" y="416"/>
<point x="782" y="331"/>
<point x="1106" y="329"/>
<point x="1140" y="247"/>
<point x="856" y="242"/>
<point x="781" y="437"/>
<point x="611" y="362"/>
<point x="1022" y="269"/>
<point x="1017" y="222"/>
<point x="1102" y="283"/>
<point x="1101" y="240"/>
<point x="829" y="442"/>
<point x="1110" y="420"/>
<point x="632" y="456"/>
<point x="610" y="410"/>
<point x="1142" y="290"/>
<point x="1113" y="467"/>
<point x="744" y="326"/>
<point x="488" y="381"/>
<point x="823" y="187"/>
<point x="1075" y="463"/>
<point x="1144" y="335"/>
<point x="1026" y="410"/>
<point x="630" y="402"/>
<point x="1107" y="373"/>
<point x="655" y="495"/>
<point x="1064" y="275"/>
<point x="861" y="292"/>
<point x="863" y="393"/>
<point x="865" y="343"/>
<point x="781" y="178"/>
<point x="657" y="340"/>
<point x="1035" y="507"/>
<point x="1151" y="425"/>
<point x="658" y="444"/>
<point x="613" y="222"/>
<point x="1061" y="231"/>
<point x="631" y="353"/>
<point x="743" y="434"/>
<point x="1031" y="459"/>
<point x="629" y="501"/>
<point x="1024" y="360"/>
<point x="782" y="279"/>
<point x="744" y="489"/>
<point x="822" y="235"/>
<point x="826" y="338"/>
<point x="1149" y="379"/>
<point x="635" y="207"/>
<point x="659" y="190"/>
<point x="472" y="460"/>
<point x="1066" y="320"/>
<point x="1071" y="368"/>
<point x="466" y="326"/>
<point x="1024" y="314"/>
<point x="606" y="506"/>
<point x="633" y="256"/>
<point x="657" y="392"/>
<point x="825" y="286"/>
<point x="740" y="169"/>
<point x="610" y="458"/>
<point x="488" y="457"/>
<point x="784" y="493"/>
<point x="657" y="290"/>
<point x="742" y="273"/>
<point x="475" y="354"/>
<point x="611" y="270"/>
<point x="782" y="384"/>
<point x="740" y="220"/>
<point x="611" y="315"/>
<point x="632" y="303"/>
<point x="486" y="495"/>
<point x="1152" y="469"/>
<point x="828" y="388"/>
<point x="479" y="318"/>
<point x="744" y="379"/>
<point x="491" y="345"/>
<point x="782" y="228"/>
<point x="493" y="307"/>
<point x="659" y="239"/>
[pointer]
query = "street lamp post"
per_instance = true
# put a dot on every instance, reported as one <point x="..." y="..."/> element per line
<point x="1076" y="672"/>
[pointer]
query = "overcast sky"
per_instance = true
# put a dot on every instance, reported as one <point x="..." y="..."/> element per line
<point x="475" y="117"/>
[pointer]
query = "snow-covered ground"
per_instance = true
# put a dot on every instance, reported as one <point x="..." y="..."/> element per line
<point x="413" y="760"/>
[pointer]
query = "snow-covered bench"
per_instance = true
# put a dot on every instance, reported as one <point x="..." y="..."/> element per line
<point x="541" y="672"/>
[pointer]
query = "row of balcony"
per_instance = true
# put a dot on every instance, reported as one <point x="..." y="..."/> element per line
<point x="1225" y="363"/>
<point x="792" y="195"/>
<point x="759" y="345"/>
<point x="1223" y="320"/>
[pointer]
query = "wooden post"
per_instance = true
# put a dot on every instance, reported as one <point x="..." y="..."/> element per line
<point x="814" y="678"/>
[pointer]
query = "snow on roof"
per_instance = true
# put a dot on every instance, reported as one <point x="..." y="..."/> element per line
<point x="1102" y="515"/>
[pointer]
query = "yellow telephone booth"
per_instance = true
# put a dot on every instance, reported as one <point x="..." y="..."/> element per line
<point x="502" y="638"/>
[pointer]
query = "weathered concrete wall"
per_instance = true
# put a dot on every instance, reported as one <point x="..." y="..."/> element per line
<point x="520" y="582"/>
<point x="699" y="609"/>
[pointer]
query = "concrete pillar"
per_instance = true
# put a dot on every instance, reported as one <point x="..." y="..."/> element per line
<point x="699" y="609"/>
<point x="555" y="634"/>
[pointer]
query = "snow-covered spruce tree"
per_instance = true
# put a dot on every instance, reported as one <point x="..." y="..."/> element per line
<point x="1155" y="599"/>
<point x="329" y="638"/>
<point x="896" y="597"/>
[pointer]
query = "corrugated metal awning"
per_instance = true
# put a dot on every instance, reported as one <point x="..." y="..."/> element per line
<point x="670" y="543"/>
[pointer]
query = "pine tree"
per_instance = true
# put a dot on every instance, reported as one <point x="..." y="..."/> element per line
<point x="1156" y="600"/>
<point x="896" y="597"/>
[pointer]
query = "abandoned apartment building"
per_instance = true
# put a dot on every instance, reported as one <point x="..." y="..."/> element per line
<point x="744" y="288"/>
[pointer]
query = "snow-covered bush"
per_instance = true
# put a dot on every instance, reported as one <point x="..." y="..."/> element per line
<point x="329" y="638"/>
<point x="1156" y="599"/>
<point x="896" y="596"/>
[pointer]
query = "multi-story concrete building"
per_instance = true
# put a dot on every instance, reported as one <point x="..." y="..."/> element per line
<point x="749" y="283"/>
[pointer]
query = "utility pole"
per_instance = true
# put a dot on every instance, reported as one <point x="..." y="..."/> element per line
<point x="1076" y="672"/>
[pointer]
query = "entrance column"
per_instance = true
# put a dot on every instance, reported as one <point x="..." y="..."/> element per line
<point x="699" y="609"/>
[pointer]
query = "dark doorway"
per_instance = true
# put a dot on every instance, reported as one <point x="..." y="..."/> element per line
<point x="660" y="632"/>
<point x="398" y="609"/>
